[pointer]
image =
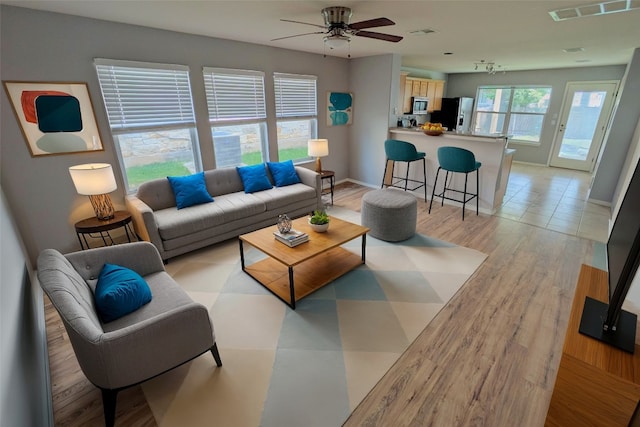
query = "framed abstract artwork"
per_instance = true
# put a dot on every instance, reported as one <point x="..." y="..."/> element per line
<point x="55" y="118"/>
<point x="339" y="108"/>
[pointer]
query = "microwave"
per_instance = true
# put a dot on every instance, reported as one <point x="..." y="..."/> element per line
<point x="419" y="105"/>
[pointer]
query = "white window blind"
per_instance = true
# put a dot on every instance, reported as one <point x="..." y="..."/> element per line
<point x="295" y="95"/>
<point x="141" y="96"/>
<point x="234" y="95"/>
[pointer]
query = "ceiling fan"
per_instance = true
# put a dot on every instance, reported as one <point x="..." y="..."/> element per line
<point x="338" y="29"/>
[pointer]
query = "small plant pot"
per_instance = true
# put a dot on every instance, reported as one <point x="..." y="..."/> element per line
<point x="319" y="228"/>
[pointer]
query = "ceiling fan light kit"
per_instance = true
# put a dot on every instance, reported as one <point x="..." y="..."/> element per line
<point x="338" y="29"/>
<point x="336" y="41"/>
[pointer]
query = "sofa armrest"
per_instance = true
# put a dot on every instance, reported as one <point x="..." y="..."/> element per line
<point x="312" y="179"/>
<point x="144" y="222"/>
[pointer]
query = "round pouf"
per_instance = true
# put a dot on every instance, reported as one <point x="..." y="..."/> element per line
<point x="389" y="214"/>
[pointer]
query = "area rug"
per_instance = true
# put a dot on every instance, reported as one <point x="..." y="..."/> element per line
<point x="313" y="365"/>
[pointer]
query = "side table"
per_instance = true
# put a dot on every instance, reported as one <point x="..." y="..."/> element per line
<point x="331" y="176"/>
<point x="89" y="226"/>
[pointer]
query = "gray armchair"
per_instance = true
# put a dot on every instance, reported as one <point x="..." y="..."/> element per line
<point x="168" y="331"/>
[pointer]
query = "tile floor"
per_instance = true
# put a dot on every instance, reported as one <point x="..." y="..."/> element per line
<point x="556" y="199"/>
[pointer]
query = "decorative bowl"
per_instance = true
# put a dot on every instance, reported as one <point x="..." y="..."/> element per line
<point x="319" y="228"/>
<point x="432" y="132"/>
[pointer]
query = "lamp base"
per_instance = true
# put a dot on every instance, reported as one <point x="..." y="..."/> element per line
<point x="102" y="206"/>
<point x="318" y="165"/>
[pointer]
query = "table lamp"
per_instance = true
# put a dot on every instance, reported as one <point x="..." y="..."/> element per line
<point x="318" y="148"/>
<point x="95" y="180"/>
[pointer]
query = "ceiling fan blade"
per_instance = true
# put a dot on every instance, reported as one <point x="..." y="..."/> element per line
<point x="298" y="35"/>
<point x="371" y="23"/>
<point x="305" y="23"/>
<point x="379" y="36"/>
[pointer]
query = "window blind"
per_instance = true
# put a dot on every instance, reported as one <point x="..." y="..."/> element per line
<point x="295" y="95"/>
<point x="140" y="96"/>
<point x="234" y="95"/>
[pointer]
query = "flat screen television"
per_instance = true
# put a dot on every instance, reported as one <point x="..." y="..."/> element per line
<point x="607" y="322"/>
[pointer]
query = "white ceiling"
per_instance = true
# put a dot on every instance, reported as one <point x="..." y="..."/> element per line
<point x="516" y="34"/>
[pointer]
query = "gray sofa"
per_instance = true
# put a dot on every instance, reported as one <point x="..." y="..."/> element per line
<point x="177" y="231"/>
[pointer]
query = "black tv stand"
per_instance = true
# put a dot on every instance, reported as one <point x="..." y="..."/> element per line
<point x="593" y="316"/>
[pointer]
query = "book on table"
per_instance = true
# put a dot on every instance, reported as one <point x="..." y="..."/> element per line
<point x="291" y="238"/>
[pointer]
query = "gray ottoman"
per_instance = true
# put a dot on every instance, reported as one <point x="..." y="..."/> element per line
<point x="390" y="214"/>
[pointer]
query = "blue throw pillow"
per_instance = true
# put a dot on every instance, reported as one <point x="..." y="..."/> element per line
<point x="283" y="173"/>
<point x="189" y="190"/>
<point x="120" y="291"/>
<point x="254" y="178"/>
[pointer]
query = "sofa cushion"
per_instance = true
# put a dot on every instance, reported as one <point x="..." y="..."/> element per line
<point x="120" y="291"/>
<point x="223" y="181"/>
<point x="283" y="173"/>
<point x="254" y="178"/>
<point x="174" y="223"/>
<point x="278" y="198"/>
<point x="189" y="190"/>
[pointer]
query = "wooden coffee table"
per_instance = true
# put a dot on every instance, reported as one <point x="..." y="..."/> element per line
<point x="293" y="273"/>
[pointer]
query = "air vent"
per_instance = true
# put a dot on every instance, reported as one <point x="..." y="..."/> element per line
<point x="596" y="9"/>
<point x="573" y="50"/>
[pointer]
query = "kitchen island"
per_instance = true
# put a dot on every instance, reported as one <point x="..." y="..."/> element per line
<point x="491" y="151"/>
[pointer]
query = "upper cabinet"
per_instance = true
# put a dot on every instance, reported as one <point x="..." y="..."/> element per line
<point x="412" y="86"/>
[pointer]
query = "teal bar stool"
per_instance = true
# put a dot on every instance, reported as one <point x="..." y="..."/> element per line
<point x="402" y="151"/>
<point x="454" y="159"/>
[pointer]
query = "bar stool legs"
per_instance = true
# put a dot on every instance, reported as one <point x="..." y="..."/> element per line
<point x="464" y="193"/>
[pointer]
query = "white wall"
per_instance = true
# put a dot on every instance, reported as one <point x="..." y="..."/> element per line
<point x="24" y="379"/>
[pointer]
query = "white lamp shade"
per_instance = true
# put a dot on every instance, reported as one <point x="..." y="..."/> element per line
<point x="93" y="178"/>
<point x="318" y="147"/>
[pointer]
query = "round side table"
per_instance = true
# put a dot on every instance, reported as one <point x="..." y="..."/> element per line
<point x="89" y="226"/>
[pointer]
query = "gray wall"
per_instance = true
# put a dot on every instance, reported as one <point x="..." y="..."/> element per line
<point x="467" y="84"/>
<point x="42" y="46"/>
<point x="619" y="134"/>
<point x="372" y="80"/>
<point x="24" y="380"/>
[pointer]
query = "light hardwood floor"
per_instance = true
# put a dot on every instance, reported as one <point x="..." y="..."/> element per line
<point x="489" y="358"/>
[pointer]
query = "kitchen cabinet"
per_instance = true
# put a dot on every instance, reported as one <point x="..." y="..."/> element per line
<point x="412" y="86"/>
<point x="438" y="91"/>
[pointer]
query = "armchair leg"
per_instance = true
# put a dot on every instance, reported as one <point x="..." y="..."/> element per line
<point x="109" y="405"/>
<point x="216" y="354"/>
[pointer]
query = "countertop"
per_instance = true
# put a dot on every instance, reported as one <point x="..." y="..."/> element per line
<point x="415" y="130"/>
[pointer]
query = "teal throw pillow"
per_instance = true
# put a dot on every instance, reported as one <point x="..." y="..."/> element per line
<point x="119" y="291"/>
<point x="254" y="178"/>
<point x="189" y="190"/>
<point x="283" y="173"/>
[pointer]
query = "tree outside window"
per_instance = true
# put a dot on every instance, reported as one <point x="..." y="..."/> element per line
<point x="517" y="111"/>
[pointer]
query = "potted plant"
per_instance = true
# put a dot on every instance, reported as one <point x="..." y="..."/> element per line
<point x="319" y="221"/>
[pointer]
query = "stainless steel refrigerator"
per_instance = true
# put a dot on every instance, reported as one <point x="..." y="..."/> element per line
<point x="455" y="114"/>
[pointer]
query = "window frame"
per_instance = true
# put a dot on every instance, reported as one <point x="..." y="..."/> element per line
<point x="221" y="109"/>
<point x="509" y="113"/>
<point x="291" y="105"/>
<point x="112" y="74"/>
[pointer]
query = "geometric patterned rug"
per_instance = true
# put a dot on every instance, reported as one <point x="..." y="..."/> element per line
<point x="313" y="365"/>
